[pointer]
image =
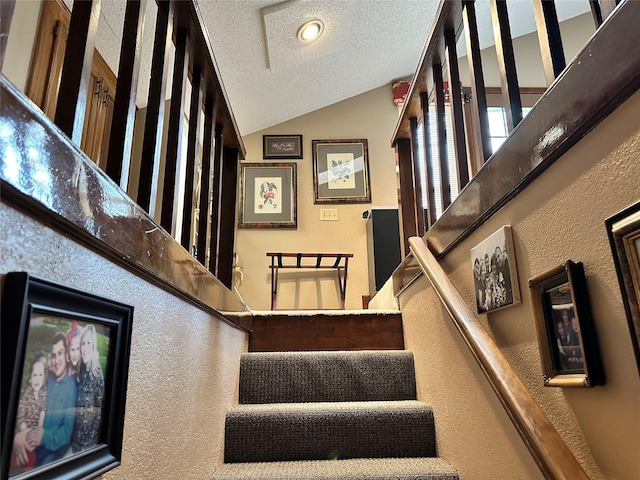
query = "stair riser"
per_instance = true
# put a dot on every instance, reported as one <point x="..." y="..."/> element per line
<point x="278" y="333"/>
<point x="282" y="436"/>
<point x="326" y="377"/>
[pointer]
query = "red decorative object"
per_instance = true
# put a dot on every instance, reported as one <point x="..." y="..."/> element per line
<point x="400" y="89"/>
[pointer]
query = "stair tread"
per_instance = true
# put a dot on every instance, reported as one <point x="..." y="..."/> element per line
<point x="428" y="468"/>
<point x="325" y="312"/>
<point x="316" y="431"/>
<point x="329" y="407"/>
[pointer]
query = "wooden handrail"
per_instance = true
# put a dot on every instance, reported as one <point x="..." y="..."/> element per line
<point x="547" y="448"/>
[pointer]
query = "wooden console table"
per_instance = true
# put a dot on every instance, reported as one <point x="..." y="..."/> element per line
<point x="337" y="261"/>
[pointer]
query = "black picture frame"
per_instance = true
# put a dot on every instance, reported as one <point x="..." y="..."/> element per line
<point x="569" y="349"/>
<point x="341" y="171"/>
<point x="282" y="147"/>
<point x="37" y="316"/>
<point x="623" y="230"/>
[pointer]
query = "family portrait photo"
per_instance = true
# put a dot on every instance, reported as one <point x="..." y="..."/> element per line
<point x="65" y="362"/>
<point x="567" y="339"/>
<point x="494" y="272"/>
<point x="60" y="406"/>
<point x="566" y="329"/>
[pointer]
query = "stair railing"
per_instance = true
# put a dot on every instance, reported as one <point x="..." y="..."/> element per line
<point x="179" y="27"/>
<point x="547" y="448"/>
<point x="80" y="200"/>
<point x="576" y="97"/>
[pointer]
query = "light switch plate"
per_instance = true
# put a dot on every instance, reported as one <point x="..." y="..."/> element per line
<point x="328" y="214"/>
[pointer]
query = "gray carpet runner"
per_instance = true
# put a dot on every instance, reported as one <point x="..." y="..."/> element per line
<point x="330" y="415"/>
<point x="327" y="376"/>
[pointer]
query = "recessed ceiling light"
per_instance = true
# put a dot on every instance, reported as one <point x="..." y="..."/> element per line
<point x="310" y="31"/>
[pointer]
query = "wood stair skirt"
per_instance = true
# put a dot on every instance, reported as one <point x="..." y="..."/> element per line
<point x="299" y="330"/>
<point x="330" y="415"/>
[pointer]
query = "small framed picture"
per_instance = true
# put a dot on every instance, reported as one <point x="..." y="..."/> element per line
<point x="65" y="357"/>
<point x="281" y="147"/>
<point x="567" y="339"/>
<point x="341" y="171"/>
<point x="494" y="272"/>
<point x="268" y="195"/>
<point x="623" y="229"/>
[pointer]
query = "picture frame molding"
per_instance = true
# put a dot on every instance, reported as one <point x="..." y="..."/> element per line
<point x="25" y="295"/>
<point x="288" y="218"/>
<point x="623" y="230"/>
<point x="282" y="147"/>
<point x="361" y="192"/>
<point x="554" y="375"/>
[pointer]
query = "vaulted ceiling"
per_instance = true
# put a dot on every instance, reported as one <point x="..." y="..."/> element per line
<point x="270" y="76"/>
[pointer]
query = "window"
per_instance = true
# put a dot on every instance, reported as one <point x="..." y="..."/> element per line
<point x="498" y="125"/>
<point x="434" y="161"/>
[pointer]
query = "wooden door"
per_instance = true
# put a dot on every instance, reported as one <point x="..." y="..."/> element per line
<point x="44" y="80"/>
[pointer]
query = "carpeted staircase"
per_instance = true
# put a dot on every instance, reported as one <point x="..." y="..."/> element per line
<point x="330" y="415"/>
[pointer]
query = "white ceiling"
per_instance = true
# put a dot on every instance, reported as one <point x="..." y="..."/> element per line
<point x="271" y="77"/>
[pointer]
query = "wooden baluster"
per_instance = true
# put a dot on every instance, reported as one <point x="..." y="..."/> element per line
<point x="415" y="149"/>
<point x="506" y="63"/>
<point x="431" y="196"/>
<point x="6" y="12"/>
<point x="154" y="123"/>
<point x="596" y="12"/>
<point x="228" y="215"/>
<point x="441" y="126"/>
<point x="480" y="120"/>
<point x="124" y="107"/>
<point x="601" y="9"/>
<point x="553" y="61"/>
<point x="192" y="145"/>
<point x="215" y="202"/>
<point x="457" y="114"/>
<point x="76" y="72"/>
<point x="407" y="191"/>
<point x="204" y="226"/>
<point x="175" y="128"/>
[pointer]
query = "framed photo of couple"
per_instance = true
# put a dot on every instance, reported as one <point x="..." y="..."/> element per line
<point x="65" y="357"/>
<point x="567" y="339"/>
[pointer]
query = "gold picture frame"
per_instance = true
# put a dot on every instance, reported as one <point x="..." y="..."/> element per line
<point x="623" y="229"/>
<point x="569" y="349"/>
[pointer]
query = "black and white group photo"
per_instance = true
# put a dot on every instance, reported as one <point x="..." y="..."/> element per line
<point x="495" y="281"/>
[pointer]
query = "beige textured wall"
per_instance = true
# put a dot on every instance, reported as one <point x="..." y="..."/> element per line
<point x="184" y="363"/>
<point x="575" y="32"/>
<point x="371" y="116"/>
<point x="17" y="62"/>
<point x="559" y="216"/>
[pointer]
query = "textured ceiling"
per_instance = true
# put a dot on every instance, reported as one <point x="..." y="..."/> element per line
<point x="271" y="77"/>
